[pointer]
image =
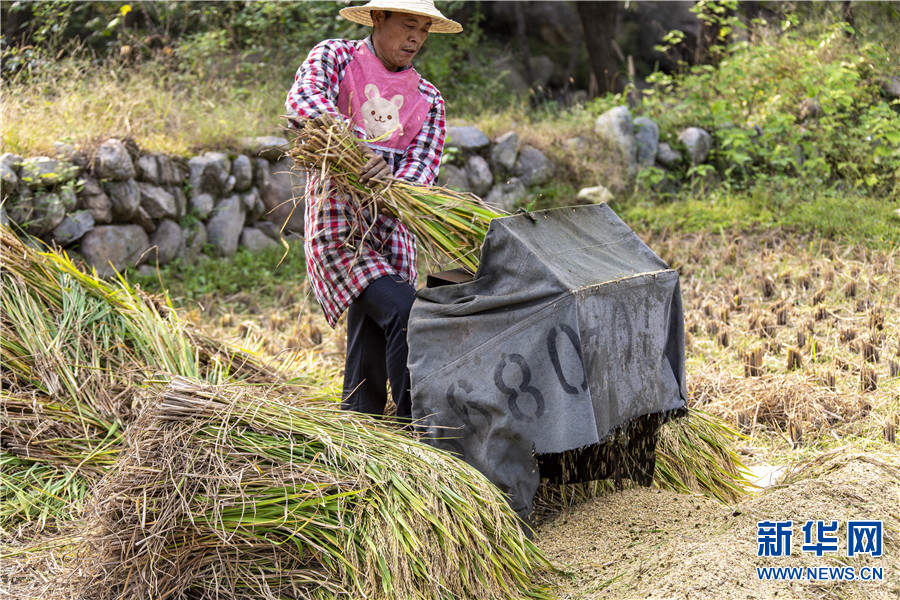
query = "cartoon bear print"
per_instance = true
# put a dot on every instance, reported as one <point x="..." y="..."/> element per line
<point x="381" y="116"/>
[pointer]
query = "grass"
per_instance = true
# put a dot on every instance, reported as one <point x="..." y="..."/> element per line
<point x="825" y="213"/>
<point x="162" y="109"/>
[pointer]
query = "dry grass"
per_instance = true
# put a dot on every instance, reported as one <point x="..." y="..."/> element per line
<point x="160" y="109"/>
<point x="803" y="352"/>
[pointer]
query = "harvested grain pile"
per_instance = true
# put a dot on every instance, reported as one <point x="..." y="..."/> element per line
<point x="657" y="544"/>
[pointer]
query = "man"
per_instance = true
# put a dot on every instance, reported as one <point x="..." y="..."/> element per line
<point x="367" y="266"/>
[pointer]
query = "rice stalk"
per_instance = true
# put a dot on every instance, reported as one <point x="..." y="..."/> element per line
<point x="77" y="352"/>
<point x="231" y="491"/>
<point x="698" y="455"/>
<point x="450" y="225"/>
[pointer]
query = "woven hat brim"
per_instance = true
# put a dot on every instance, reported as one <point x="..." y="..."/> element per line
<point x="363" y="16"/>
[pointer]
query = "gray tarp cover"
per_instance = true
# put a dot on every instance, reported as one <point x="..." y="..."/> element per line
<point x="571" y="328"/>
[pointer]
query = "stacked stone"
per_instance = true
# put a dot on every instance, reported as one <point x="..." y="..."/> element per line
<point x="123" y="208"/>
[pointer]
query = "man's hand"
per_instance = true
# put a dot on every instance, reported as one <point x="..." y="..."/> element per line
<point x="376" y="168"/>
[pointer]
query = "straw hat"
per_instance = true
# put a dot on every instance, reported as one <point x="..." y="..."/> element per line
<point x="424" y="8"/>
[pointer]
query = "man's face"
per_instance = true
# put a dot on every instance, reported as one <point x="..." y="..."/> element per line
<point x="398" y="38"/>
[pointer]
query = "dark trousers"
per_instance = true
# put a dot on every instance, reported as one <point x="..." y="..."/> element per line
<point x="377" y="350"/>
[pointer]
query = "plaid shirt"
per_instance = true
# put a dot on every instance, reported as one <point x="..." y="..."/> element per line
<point x="345" y="250"/>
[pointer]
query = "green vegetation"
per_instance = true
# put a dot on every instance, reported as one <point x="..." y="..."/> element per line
<point x="268" y="271"/>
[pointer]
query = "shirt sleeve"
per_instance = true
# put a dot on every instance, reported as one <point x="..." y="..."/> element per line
<point x="316" y="84"/>
<point x="422" y="160"/>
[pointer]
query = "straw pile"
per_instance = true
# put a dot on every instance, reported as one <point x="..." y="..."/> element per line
<point x="448" y="225"/>
<point x="229" y="492"/>
<point x="76" y="354"/>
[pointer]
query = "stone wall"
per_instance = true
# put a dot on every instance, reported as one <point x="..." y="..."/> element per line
<point x="119" y="207"/>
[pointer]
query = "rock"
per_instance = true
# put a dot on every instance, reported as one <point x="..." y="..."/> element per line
<point x="9" y="181"/>
<point x="542" y="69"/>
<point x="169" y="170"/>
<point x="255" y="240"/>
<point x="891" y="87"/>
<point x="158" y="203"/>
<point x="95" y="200"/>
<point x="209" y="173"/>
<point x="698" y="143"/>
<point x="505" y="151"/>
<point x="140" y="217"/>
<point x="195" y="239"/>
<point x="70" y="154"/>
<point x="242" y="170"/>
<point x="44" y="172"/>
<point x="125" y="197"/>
<point x="20" y="208"/>
<point x="507" y="196"/>
<point x="270" y="229"/>
<point x="453" y="177"/>
<point x="667" y="156"/>
<point x="479" y="174"/>
<point x="595" y="195"/>
<point x="4" y="218"/>
<point x="532" y="167"/>
<point x="180" y="200"/>
<point x="68" y="197"/>
<point x="647" y="138"/>
<point x="616" y="127"/>
<point x="271" y="148"/>
<point x="282" y="190"/>
<point x="49" y="212"/>
<point x="202" y="205"/>
<point x="147" y="168"/>
<point x="225" y="225"/>
<point x="165" y="243"/>
<point x="73" y="227"/>
<point x="229" y="185"/>
<point x="113" y="248"/>
<point x="13" y="161"/>
<point x="253" y="204"/>
<point x="37" y="213"/>
<point x="466" y="138"/>
<point x="113" y="161"/>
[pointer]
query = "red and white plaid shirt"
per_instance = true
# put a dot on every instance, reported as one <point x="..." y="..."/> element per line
<point x="344" y="253"/>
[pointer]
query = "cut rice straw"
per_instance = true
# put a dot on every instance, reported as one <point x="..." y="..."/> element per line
<point x="229" y="491"/>
<point x="450" y="225"/>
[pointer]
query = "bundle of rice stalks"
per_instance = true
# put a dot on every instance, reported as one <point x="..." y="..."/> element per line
<point x="698" y="455"/>
<point x="446" y="223"/>
<point x="694" y="455"/>
<point x="76" y="353"/>
<point x="230" y="492"/>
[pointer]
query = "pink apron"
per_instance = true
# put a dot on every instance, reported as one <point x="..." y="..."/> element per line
<point x="386" y="108"/>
